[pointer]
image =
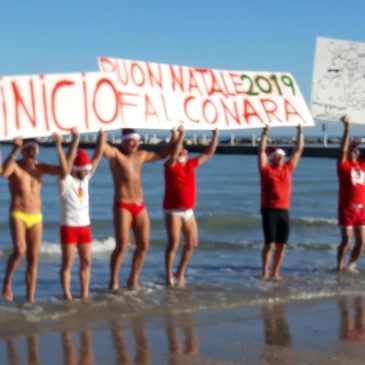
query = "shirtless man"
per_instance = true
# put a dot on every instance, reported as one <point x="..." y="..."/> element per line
<point x="351" y="208"/>
<point x="129" y="209"/>
<point x="25" y="182"/>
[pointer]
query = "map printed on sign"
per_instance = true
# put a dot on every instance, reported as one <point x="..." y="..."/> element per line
<point x="339" y="80"/>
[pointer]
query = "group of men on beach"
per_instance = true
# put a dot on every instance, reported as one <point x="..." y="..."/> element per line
<point x="276" y="173"/>
<point x="130" y="213"/>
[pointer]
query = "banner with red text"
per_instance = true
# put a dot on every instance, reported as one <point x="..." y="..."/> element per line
<point x="153" y="95"/>
<point x="149" y="96"/>
<point x="36" y="106"/>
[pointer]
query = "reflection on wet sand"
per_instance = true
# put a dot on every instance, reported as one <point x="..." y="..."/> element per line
<point x="276" y="327"/>
<point x="278" y="341"/>
<point x="70" y="354"/>
<point x="142" y="351"/>
<point x="352" y="321"/>
<point x="32" y="351"/>
<point x="181" y="349"/>
<point x="13" y="356"/>
<point x="174" y="339"/>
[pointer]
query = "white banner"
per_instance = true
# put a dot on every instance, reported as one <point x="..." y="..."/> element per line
<point x="339" y="80"/>
<point x="36" y="106"/>
<point x="154" y="95"/>
<point x="150" y="96"/>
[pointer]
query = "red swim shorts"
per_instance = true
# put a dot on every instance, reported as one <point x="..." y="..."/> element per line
<point x="352" y="216"/>
<point x="75" y="235"/>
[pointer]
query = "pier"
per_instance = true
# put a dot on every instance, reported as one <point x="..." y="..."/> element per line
<point x="314" y="146"/>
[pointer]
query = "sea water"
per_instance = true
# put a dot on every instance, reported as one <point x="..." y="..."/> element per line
<point x="226" y="267"/>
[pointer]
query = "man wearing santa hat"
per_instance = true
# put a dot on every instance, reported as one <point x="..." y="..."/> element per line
<point x="75" y="227"/>
<point x="129" y="208"/>
<point x="25" y="183"/>
<point x="351" y="202"/>
<point x="275" y="174"/>
<point x="179" y="203"/>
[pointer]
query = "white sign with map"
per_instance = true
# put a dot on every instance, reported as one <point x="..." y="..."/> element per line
<point x="339" y="80"/>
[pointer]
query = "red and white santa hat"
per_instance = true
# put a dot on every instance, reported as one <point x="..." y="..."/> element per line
<point x="82" y="161"/>
<point x="30" y="143"/>
<point x="354" y="145"/>
<point x="129" y="133"/>
<point x="275" y="151"/>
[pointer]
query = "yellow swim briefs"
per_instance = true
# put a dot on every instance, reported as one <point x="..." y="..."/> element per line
<point x="28" y="219"/>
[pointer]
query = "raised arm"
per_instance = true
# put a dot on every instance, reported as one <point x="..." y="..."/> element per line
<point x="152" y="156"/>
<point x="345" y="143"/>
<point x="108" y="150"/>
<point x="210" y="150"/>
<point x="176" y="144"/>
<point x="98" y="150"/>
<point x="72" y="151"/>
<point x="261" y="153"/>
<point x="62" y="169"/>
<point x="10" y="166"/>
<point x="299" y="146"/>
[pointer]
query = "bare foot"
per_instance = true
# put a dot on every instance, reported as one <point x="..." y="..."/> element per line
<point x="275" y="277"/>
<point x="132" y="284"/>
<point x="170" y="282"/>
<point x="352" y="268"/>
<point x="8" y="295"/>
<point x="180" y="282"/>
<point x="68" y="297"/>
<point x="31" y="301"/>
<point x="113" y="287"/>
<point x="265" y="277"/>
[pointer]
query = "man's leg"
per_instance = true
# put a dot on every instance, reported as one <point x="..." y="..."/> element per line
<point x="33" y="240"/>
<point x="122" y="223"/>
<point x="278" y="259"/>
<point x="346" y="237"/>
<point x="85" y="267"/>
<point x="68" y="253"/>
<point x="173" y="225"/>
<point x="359" y="244"/>
<point x="18" y="230"/>
<point x="141" y="230"/>
<point x="269" y="225"/>
<point x="266" y="259"/>
<point x="190" y="231"/>
<point x="281" y="238"/>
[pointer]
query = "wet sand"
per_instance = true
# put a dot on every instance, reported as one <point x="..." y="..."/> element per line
<point x="330" y="331"/>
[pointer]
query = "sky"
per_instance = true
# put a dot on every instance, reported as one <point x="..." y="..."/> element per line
<point x="42" y="36"/>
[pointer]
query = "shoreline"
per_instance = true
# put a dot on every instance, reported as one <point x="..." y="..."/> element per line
<point x="327" y="331"/>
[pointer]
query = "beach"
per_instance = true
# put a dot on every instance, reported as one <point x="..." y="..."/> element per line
<point x="226" y="314"/>
<point x="330" y="331"/>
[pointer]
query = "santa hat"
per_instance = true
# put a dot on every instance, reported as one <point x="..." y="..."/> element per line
<point x="82" y="161"/>
<point x="275" y="151"/>
<point x="30" y="143"/>
<point x="129" y="133"/>
<point x="354" y="145"/>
